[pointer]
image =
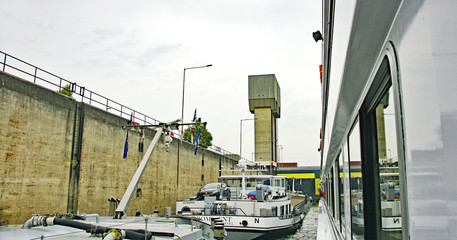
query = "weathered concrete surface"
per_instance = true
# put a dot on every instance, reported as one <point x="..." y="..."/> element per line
<point x="39" y="133"/>
<point x="35" y="149"/>
<point x="265" y="135"/>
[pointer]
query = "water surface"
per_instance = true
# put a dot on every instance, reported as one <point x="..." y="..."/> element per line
<point x="309" y="229"/>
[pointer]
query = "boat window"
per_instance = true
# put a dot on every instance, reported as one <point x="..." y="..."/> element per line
<point x="380" y="136"/>
<point x="252" y="182"/>
<point x="330" y="192"/>
<point x="341" y="192"/>
<point x="282" y="210"/>
<point x="232" y="182"/>
<point x="346" y="228"/>
<point x="388" y="168"/>
<point x="274" y="211"/>
<point x="277" y="182"/>
<point x="355" y="161"/>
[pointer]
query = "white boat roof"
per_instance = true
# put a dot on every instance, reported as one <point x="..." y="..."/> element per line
<point x="251" y="176"/>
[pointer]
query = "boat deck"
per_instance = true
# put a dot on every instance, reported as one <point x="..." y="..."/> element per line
<point x="164" y="228"/>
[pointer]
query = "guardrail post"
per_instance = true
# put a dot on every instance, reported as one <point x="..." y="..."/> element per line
<point x="34" y="76"/>
<point x="82" y="91"/>
<point x="4" y="62"/>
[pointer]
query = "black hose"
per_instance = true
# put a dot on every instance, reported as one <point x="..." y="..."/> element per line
<point x="129" y="234"/>
<point x="71" y="223"/>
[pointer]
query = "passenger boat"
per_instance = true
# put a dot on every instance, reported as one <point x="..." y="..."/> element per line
<point x="389" y="120"/>
<point x="259" y="207"/>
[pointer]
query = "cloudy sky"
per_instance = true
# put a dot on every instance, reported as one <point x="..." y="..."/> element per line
<point x="134" y="52"/>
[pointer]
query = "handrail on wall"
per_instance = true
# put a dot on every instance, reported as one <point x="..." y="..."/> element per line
<point x="18" y="66"/>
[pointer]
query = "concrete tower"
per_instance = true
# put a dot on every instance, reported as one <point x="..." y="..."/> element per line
<point x="265" y="104"/>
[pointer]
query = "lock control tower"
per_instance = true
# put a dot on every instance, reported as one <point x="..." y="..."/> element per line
<point x="265" y="104"/>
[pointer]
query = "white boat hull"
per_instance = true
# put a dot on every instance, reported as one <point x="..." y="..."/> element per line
<point x="251" y="227"/>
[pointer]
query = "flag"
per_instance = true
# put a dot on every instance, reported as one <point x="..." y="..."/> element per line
<point x="141" y="143"/>
<point x="131" y="119"/>
<point x="126" y="146"/>
<point x="197" y="140"/>
<point x="195" y="115"/>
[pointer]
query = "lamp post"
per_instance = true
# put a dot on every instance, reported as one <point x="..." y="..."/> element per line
<point x="182" y="120"/>
<point x="241" y="132"/>
<point x="183" y="87"/>
<point x="280" y="151"/>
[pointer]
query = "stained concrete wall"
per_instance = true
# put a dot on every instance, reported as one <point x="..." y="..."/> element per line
<point x="265" y="136"/>
<point x="35" y="148"/>
<point x="47" y="165"/>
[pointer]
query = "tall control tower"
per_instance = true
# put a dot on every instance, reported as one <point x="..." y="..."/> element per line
<point x="265" y="104"/>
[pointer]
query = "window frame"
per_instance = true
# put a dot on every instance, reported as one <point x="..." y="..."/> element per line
<point x="386" y="77"/>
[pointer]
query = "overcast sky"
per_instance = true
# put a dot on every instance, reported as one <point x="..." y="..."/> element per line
<point x="134" y="52"/>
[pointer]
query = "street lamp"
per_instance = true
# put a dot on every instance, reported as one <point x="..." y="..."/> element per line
<point x="182" y="119"/>
<point x="280" y="151"/>
<point x="183" y="86"/>
<point x="241" y="132"/>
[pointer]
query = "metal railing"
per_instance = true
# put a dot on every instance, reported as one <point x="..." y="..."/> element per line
<point x="51" y="81"/>
<point x="218" y="211"/>
<point x="30" y="72"/>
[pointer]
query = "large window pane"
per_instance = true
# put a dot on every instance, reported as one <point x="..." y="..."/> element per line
<point x="356" y="183"/>
<point x="388" y="168"/>
<point x="341" y="193"/>
<point x="330" y="193"/>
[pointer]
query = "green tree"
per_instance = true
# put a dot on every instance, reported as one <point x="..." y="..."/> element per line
<point x="66" y="91"/>
<point x="205" y="137"/>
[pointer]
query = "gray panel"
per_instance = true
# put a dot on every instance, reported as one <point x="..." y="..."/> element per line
<point x="263" y="92"/>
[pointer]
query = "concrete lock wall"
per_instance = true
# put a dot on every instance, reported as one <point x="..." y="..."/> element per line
<point x="58" y="155"/>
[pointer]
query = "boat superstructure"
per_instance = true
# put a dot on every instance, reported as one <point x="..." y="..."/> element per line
<point x="389" y="120"/>
<point x="259" y="205"/>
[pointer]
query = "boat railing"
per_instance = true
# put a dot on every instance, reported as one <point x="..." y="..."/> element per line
<point x="235" y="192"/>
<point x="302" y="207"/>
<point x="217" y="210"/>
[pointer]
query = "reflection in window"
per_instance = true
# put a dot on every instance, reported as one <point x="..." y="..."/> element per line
<point x="274" y="211"/>
<point x="341" y="192"/>
<point x="356" y="183"/>
<point x="388" y="168"/>
<point x="330" y="192"/>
